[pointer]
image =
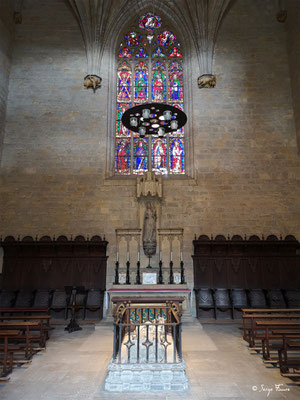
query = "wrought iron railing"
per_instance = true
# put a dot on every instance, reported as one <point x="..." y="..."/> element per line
<point x="147" y="334"/>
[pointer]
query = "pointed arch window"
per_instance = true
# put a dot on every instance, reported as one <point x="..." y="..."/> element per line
<point x="149" y="69"/>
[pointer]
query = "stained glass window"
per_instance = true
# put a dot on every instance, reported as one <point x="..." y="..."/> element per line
<point x="158" y="82"/>
<point x="125" y="53"/>
<point x="124" y="83"/>
<point x="175" y="82"/>
<point x="132" y="39"/>
<point x="141" y="83"/>
<point x="140" y="155"/>
<point x="149" y="69"/>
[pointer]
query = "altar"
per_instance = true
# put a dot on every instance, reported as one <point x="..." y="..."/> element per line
<point x="150" y="294"/>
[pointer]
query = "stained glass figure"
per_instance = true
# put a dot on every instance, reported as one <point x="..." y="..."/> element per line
<point x="141" y="53"/>
<point x="125" y="53"/>
<point x="166" y="38"/>
<point x="121" y="130"/>
<point x="150" y="22"/>
<point x="158" y="82"/>
<point x="133" y="39"/>
<point x="123" y="156"/>
<point x="158" y="53"/>
<point x="141" y="83"/>
<point x="124" y="83"/>
<point x="140" y="155"/>
<point x="176" y="156"/>
<point x="175" y="82"/>
<point x="159" y="156"/>
<point x="175" y="53"/>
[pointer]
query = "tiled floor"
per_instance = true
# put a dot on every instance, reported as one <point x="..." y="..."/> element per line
<point x="219" y="366"/>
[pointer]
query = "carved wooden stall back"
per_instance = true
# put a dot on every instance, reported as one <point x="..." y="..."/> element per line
<point x="54" y="263"/>
<point x="246" y="263"/>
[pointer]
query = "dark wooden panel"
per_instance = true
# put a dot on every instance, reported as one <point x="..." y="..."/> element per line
<point x="251" y="263"/>
<point x="32" y="264"/>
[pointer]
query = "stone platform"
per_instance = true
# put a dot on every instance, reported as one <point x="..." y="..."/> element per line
<point x="146" y="377"/>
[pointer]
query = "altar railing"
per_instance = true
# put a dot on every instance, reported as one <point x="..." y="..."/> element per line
<point x="147" y="334"/>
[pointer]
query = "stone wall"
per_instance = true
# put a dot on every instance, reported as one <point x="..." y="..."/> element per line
<point x="293" y="46"/>
<point x="53" y="176"/>
<point x="6" y="38"/>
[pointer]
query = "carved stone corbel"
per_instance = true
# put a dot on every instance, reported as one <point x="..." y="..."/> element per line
<point x="207" y="81"/>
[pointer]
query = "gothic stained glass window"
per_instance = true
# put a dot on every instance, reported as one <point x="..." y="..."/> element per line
<point x="176" y="156"/>
<point x="132" y="39"/>
<point x="121" y="131"/>
<point x="159" y="156"/>
<point x="166" y="38"/>
<point x="175" y="53"/>
<point x="140" y="155"/>
<point x="149" y="68"/>
<point x="141" y="83"/>
<point x="150" y="22"/>
<point x="124" y="83"/>
<point x="158" y="53"/>
<point x="158" y="82"/>
<point x="175" y="82"/>
<point x="123" y="156"/>
<point x="125" y="53"/>
<point x="141" y="53"/>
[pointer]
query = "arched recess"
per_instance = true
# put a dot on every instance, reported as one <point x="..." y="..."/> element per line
<point x="124" y="19"/>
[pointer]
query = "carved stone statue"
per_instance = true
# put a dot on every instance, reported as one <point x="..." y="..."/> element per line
<point x="149" y="230"/>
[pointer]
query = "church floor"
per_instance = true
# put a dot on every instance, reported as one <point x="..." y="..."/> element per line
<point x="219" y="366"/>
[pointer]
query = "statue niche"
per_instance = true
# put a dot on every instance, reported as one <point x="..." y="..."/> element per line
<point x="149" y="230"/>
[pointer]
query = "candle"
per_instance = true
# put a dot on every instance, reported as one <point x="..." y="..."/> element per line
<point x="181" y="256"/>
<point x="138" y="256"/>
<point x="160" y="256"/>
<point x="117" y="256"/>
<point x="128" y="259"/>
<point x="171" y="257"/>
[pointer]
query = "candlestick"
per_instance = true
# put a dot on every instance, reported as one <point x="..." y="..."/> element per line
<point x="117" y="273"/>
<point x="128" y="273"/>
<point x="138" y="275"/>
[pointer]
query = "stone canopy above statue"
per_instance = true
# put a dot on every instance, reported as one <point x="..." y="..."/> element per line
<point x="149" y="185"/>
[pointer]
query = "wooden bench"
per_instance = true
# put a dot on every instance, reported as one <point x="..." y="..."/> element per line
<point x="43" y="319"/>
<point x="289" y="350"/>
<point x="249" y="323"/>
<point x="39" y="310"/>
<point x="27" y="337"/>
<point x="8" y="350"/>
<point x="268" y="327"/>
<point x="247" y="311"/>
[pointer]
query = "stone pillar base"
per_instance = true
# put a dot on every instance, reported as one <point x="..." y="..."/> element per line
<point x="146" y="377"/>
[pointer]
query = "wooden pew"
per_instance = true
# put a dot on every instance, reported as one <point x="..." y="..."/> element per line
<point x="267" y="327"/>
<point x="39" y="310"/>
<point x="8" y="350"/>
<point x="43" y="319"/>
<point x="288" y="359"/>
<point x="247" y="311"/>
<point x="27" y="327"/>
<point x="249" y="323"/>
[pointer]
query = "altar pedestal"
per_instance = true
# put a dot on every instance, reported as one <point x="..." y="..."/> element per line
<point x="156" y="292"/>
